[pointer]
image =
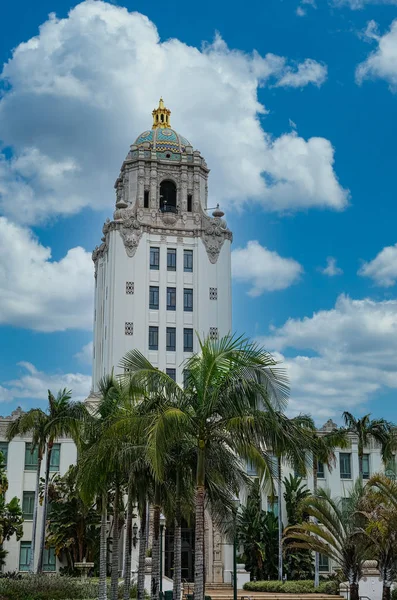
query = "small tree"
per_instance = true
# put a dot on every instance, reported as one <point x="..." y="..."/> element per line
<point x="10" y="514"/>
<point x="298" y="562"/>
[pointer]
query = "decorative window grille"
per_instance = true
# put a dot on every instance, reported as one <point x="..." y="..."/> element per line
<point x="213" y="333"/>
<point x="129" y="328"/>
<point x="213" y="293"/>
<point x="129" y="287"/>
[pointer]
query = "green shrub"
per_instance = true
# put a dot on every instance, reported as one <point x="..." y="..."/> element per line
<point x="293" y="587"/>
<point x="394" y="594"/>
<point x="51" y="587"/>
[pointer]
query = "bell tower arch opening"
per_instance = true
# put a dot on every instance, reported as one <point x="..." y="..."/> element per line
<point x="168" y="196"/>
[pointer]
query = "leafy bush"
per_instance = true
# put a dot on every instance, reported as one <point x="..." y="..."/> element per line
<point x="293" y="587"/>
<point x="394" y="594"/>
<point x="51" y="587"/>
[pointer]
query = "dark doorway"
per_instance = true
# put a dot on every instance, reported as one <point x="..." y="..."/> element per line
<point x="167" y="196"/>
<point x="187" y="556"/>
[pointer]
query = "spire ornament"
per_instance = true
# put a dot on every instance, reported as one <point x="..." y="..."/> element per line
<point x="161" y="116"/>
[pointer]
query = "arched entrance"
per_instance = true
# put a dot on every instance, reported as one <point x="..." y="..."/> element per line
<point x="187" y="555"/>
<point x="168" y="196"/>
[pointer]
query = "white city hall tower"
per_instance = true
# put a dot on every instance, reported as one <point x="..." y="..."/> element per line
<point x="162" y="270"/>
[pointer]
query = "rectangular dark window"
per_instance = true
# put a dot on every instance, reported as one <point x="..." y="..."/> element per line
<point x="345" y="465"/>
<point x="188" y="340"/>
<point x="4" y="451"/>
<point x="189" y="202"/>
<point x="188" y="261"/>
<point x="320" y="470"/>
<point x="154" y="297"/>
<point x="323" y="563"/>
<point x="154" y="259"/>
<point x="31" y="458"/>
<point x="188" y="299"/>
<point x="171" y="339"/>
<point x="146" y="199"/>
<point x="171" y="298"/>
<point x="49" y="560"/>
<point x="171" y="259"/>
<point x="185" y="377"/>
<point x="153" y="337"/>
<point x="24" y="556"/>
<point x="251" y="469"/>
<point x="55" y="457"/>
<point x="28" y="505"/>
<point x="366" y="470"/>
<point x="171" y="373"/>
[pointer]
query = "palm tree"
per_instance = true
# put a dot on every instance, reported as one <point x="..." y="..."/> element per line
<point x="335" y="533"/>
<point x="62" y="418"/>
<point x="233" y="387"/>
<point x="33" y="421"/>
<point x="324" y="445"/>
<point x="379" y="507"/>
<point x="381" y="430"/>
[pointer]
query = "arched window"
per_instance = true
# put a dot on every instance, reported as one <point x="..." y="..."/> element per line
<point x="167" y="196"/>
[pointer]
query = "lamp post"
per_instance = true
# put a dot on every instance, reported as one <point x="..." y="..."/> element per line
<point x="236" y="505"/>
<point x="162" y="523"/>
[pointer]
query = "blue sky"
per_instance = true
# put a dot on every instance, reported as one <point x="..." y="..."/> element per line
<point x="292" y="103"/>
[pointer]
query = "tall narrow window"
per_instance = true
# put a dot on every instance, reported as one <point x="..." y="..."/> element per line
<point x="272" y="505"/>
<point x="55" y="457"/>
<point x="28" y="505"/>
<point x="323" y="563"/>
<point x="189" y="202"/>
<point x="171" y="339"/>
<point x="24" y="556"/>
<point x="345" y="465"/>
<point x="171" y="259"/>
<point x="4" y="451"/>
<point x="171" y="373"/>
<point x="154" y="259"/>
<point x="171" y="298"/>
<point x="188" y="299"/>
<point x="49" y="560"/>
<point x="154" y="297"/>
<point x="187" y="340"/>
<point x="146" y="199"/>
<point x="320" y="470"/>
<point x="153" y="337"/>
<point x="186" y="375"/>
<point x="366" y="471"/>
<point x="251" y="469"/>
<point x="168" y="196"/>
<point x="31" y="458"/>
<point x="188" y="261"/>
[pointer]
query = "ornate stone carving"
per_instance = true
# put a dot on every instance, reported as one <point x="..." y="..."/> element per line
<point x="214" y="233"/>
<point x="131" y="232"/>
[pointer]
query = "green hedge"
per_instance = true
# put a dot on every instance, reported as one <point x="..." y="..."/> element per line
<point x="293" y="587"/>
<point x="51" y="587"/>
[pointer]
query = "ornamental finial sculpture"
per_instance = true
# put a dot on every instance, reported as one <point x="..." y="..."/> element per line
<point x="161" y="116"/>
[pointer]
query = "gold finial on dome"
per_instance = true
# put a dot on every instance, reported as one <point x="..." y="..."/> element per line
<point x="161" y="116"/>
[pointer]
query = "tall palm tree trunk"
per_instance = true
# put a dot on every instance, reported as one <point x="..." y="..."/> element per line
<point x="354" y="595"/>
<point x="280" y="521"/>
<point x="155" y="586"/>
<point x="199" y="541"/>
<point x="45" y="507"/>
<point x="316" y="554"/>
<point x="177" y="576"/>
<point x="35" y="511"/>
<point x="114" y="581"/>
<point x="360" y="464"/>
<point x="128" y="545"/>
<point x="102" y="592"/>
<point x="142" y="553"/>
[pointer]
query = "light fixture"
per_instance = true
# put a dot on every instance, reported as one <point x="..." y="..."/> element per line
<point x="134" y="535"/>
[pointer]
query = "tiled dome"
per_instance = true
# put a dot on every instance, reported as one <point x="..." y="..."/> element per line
<point x="162" y="139"/>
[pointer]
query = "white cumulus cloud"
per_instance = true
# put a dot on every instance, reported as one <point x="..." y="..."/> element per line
<point x="34" y="384"/>
<point x="85" y="355"/>
<point x="39" y="293"/>
<point x="77" y="94"/>
<point x="383" y="268"/>
<point x="382" y="62"/>
<point x="359" y="4"/>
<point x="339" y="358"/>
<point x="263" y="269"/>
<point x="331" y="269"/>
